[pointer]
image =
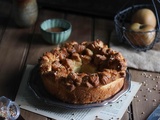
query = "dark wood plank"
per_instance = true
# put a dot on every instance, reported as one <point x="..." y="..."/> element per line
<point x="25" y="115"/>
<point x="126" y="116"/>
<point x="148" y="96"/>
<point x="13" y="45"/>
<point x="103" y="29"/>
<point x="5" y="15"/>
<point x="13" y="50"/>
<point x="81" y="27"/>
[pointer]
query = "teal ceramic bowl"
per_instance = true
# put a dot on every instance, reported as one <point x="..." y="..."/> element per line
<point x="56" y="31"/>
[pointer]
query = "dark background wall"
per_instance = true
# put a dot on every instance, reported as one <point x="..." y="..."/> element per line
<point x="101" y="8"/>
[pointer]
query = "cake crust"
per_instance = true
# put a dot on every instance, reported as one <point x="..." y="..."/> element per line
<point x="83" y="73"/>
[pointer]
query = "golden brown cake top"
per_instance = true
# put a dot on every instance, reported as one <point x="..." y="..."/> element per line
<point x="87" y="64"/>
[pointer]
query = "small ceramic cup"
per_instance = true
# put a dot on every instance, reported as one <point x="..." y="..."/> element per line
<point x="56" y="31"/>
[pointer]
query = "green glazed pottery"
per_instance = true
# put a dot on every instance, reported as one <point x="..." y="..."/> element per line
<point x="56" y="31"/>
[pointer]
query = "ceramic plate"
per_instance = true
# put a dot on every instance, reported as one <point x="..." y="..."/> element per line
<point x="38" y="89"/>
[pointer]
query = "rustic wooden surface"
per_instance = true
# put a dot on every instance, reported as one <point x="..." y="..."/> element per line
<point x="22" y="46"/>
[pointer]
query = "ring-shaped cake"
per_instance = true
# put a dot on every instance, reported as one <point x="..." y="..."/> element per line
<point x="82" y="73"/>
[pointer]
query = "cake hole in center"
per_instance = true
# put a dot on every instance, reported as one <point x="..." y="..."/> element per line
<point x="87" y="68"/>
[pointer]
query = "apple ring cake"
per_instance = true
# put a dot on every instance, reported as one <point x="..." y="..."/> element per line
<point x="82" y="73"/>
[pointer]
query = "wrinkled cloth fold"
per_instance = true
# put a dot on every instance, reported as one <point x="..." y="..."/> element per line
<point x="148" y="60"/>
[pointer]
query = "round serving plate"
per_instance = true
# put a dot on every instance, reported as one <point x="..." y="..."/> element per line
<point x="36" y="85"/>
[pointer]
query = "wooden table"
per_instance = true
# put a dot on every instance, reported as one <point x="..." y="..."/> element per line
<point x="22" y="46"/>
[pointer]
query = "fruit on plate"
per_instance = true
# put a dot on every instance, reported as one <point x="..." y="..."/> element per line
<point x="141" y="34"/>
<point x="144" y="16"/>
